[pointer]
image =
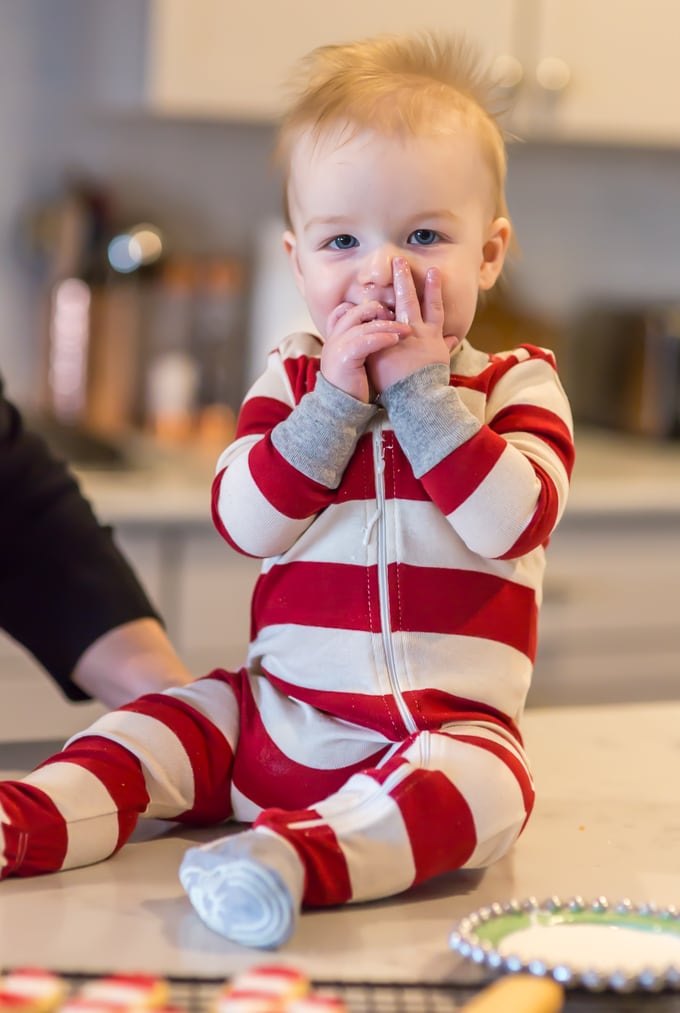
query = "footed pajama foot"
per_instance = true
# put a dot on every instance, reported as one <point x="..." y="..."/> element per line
<point x="248" y="887"/>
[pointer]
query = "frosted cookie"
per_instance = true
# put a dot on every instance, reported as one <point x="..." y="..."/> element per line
<point x="261" y="990"/>
<point x="129" y="991"/>
<point x="28" y="990"/>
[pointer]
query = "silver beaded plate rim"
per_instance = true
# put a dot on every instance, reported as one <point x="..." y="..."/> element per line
<point x="478" y="936"/>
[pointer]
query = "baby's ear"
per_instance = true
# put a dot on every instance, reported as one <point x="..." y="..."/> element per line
<point x="290" y="246"/>
<point x="493" y="252"/>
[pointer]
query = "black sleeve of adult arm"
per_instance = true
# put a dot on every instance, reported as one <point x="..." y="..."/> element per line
<point x="63" y="581"/>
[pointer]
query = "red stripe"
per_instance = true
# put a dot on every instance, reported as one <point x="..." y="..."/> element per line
<point x="260" y="414"/>
<point x="458" y="475"/>
<point x="422" y="599"/>
<point x="209" y="752"/>
<point x="118" y="770"/>
<point x="540" y="422"/>
<point x="358" y="481"/>
<point x="431" y="709"/>
<point x="327" y="881"/>
<point x="434" y="708"/>
<point x="35" y="839"/>
<point x="302" y="371"/>
<point x="332" y="595"/>
<point x="377" y="712"/>
<point x="282" y="485"/>
<point x="287" y="784"/>
<point x="463" y="602"/>
<point x="440" y="844"/>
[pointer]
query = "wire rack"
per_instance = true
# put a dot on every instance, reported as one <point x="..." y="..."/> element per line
<point x="196" y="995"/>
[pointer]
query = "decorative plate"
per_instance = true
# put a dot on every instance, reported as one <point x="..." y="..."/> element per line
<point x="594" y="945"/>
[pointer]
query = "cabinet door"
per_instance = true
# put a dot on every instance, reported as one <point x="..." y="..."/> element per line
<point x="214" y="603"/>
<point x="217" y="58"/>
<point x="623" y="71"/>
<point x="609" y="629"/>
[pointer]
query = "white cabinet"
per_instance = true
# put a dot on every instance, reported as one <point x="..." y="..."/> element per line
<point x="232" y="57"/>
<point x="610" y="624"/>
<point x="602" y="71"/>
<point x="214" y="595"/>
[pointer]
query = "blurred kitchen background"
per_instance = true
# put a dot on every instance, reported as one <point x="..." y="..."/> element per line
<point x="142" y="279"/>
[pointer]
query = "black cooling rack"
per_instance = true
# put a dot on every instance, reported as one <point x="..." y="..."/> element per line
<point x="196" y="995"/>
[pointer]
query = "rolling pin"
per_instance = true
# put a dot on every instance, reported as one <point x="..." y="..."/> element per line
<point x="518" y="993"/>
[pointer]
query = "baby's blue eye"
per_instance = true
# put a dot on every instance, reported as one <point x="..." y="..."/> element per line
<point x="344" y="242"/>
<point x="423" y="237"/>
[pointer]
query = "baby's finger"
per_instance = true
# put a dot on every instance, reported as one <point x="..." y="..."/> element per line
<point x="407" y="307"/>
<point x="433" y="304"/>
<point x="349" y="315"/>
<point x="335" y="315"/>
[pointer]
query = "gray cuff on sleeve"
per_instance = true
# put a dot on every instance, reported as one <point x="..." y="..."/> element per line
<point x="428" y="416"/>
<point x="319" y="436"/>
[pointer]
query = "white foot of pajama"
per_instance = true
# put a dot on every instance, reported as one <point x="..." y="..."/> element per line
<point x="248" y="887"/>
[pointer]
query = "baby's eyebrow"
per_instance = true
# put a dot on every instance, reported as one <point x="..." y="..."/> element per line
<point x="436" y="213"/>
<point x="326" y="220"/>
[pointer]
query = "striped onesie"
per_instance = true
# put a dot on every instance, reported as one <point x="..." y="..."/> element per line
<point x="372" y="737"/>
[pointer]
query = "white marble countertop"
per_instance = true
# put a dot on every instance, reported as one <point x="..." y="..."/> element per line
<point x="605" y="823"/>
<point x="613" y="474"/>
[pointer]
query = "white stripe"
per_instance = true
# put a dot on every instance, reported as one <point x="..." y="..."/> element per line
<point x="472" y="667"/>
<point x="535" y="383"/>
<point x="506" y="496"/>
<point x="239" y="448"/>
<point x="244" y="809"/>
<point x="215" y="700"/>
<point x="426" y="539"/>
<point x="256" y="526"/>
<point x="307" y="735"/>
<point x="543" y="455"/>
<point x="86" y="807"/>
<point x="167" y="770"/>
<point x="370" y="830"/>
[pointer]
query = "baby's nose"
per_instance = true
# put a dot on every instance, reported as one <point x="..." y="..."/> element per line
<point x="376" y="268"/>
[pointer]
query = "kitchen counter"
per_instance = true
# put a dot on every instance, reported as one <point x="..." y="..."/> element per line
<point x="614" y="473"/>
<point x="605" y="823"/>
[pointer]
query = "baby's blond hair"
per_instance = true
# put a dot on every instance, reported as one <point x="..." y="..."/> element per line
<point x="395" y="84"/>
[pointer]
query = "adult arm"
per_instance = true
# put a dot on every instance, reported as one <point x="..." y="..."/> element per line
<point x="67" y="594"/>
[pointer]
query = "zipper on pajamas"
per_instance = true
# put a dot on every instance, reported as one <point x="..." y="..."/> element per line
<point x="388" y="644"/>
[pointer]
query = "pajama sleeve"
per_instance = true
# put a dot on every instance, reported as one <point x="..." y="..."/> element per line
<point x="295" y="437"/>
<point x="502" y="481"/>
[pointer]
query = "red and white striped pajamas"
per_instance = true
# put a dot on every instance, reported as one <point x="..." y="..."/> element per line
<point x="375" y="725"/>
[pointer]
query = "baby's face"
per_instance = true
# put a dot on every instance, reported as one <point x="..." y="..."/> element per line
<point x="355" y="205"/>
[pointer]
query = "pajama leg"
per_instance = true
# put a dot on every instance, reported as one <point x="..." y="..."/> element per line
<point x="164" y="756"/>
<point x="456" y="798"/>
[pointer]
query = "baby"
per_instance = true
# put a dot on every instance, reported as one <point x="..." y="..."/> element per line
<point x="401" y="488"/>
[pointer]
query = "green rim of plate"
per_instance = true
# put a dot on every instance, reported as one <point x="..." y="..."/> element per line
<point x="479" y="936"/>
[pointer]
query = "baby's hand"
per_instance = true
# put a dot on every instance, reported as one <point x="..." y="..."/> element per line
<point x="425" y="342"/>
<point x="353" y="333"/>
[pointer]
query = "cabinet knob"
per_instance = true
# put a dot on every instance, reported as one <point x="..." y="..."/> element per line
<point x="553" y="73"/>
<point x="507" y="72"/>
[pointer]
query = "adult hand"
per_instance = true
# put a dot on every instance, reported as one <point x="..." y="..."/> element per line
<point x="130" y="660"/>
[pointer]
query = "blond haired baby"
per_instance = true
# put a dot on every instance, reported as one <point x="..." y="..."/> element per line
<point x="400" y="487"/>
